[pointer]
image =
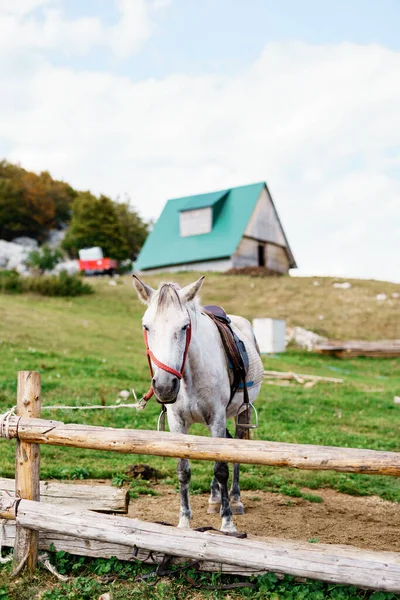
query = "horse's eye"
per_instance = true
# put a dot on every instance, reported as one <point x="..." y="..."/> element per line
<point x="145" y="328"/>
<point x="185" y="327"/>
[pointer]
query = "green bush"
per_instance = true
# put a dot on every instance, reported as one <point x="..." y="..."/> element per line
<point x="44" y="258"/>
<point x="11" y="282"/>
<point x="57" y="285"/>
<point x="50" y="285"/>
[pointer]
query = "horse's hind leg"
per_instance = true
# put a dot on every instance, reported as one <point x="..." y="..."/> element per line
<point x="236" y="504"/>
<point x="214" y="502"/>
<point x="221" y="475"/>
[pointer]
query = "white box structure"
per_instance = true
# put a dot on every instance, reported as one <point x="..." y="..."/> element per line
<point x="95" y="253"/>
<point x="270" y="334"/>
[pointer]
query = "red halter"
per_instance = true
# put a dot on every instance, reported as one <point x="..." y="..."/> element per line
<point x="151" y="358"/>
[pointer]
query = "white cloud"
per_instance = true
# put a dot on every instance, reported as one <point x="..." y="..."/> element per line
<point x="22" y="29"/>
<point x="320" y="123"/>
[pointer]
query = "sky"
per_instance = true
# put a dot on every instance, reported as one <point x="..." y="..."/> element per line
<point x="153" y="99"/>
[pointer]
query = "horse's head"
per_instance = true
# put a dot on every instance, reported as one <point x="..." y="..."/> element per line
<point x="167" y="329"/>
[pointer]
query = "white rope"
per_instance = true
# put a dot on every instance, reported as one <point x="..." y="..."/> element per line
<point x="137" y="405"/>
<point x="44" y="559"/>
<point x="91" y="407"/>
<point x="6" y="559"/>
<point x="5" y="422"/>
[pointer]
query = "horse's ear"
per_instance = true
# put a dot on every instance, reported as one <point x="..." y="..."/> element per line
<point x="190" y="291"/>
<point x="144" y="291"/>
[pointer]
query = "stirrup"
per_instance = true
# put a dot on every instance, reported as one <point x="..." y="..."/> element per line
<point x="249" y="424"/>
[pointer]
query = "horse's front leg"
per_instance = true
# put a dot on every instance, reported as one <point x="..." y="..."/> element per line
<point x="184" y="474"/>
<point x="221" y="475"/>
<point x="177" y="425"/>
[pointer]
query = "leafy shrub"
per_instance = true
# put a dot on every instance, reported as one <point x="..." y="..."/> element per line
<point x="57" y="285"/>
<point x="51" y="285"/>
<point x="11" y="282"/>
<point x="44" y="259"/>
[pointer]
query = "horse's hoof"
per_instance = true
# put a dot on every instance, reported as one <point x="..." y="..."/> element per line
<point x="237" y="508"/>
<point x="214" y="508"/>
<point x="228" y="526"/>
<point x="184" y="523"/>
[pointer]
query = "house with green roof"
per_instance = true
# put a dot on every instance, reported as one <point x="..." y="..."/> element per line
<point x="232" y="228"/>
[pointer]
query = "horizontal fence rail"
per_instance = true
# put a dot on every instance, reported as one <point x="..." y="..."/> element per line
<point x="137" y="441"/>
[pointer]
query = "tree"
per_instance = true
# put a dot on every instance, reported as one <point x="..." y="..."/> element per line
<point x="44" y="259"/>
<point x="95" y="223"/>
<point x="62" y="195"/>
<point x="31" y="204"/>
<point x="135" y="230"/>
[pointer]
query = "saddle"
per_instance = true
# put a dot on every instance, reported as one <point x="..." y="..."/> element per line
<point x="234" y="348"/>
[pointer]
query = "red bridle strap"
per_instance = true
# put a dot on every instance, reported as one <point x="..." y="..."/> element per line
<point x="151" y="358"/>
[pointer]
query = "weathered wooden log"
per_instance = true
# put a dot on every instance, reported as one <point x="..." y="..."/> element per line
<point x="27" y="468"/>
<point x="98" y="549"/>
<point x="335" y="564"/>
<point x="353" y="348"/>
<point x="100" y="498"/>
<point x="158" y="443"/>
<point x="301" y="377"/>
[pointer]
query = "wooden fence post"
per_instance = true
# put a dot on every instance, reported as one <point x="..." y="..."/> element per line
<point x="27" y="469"/>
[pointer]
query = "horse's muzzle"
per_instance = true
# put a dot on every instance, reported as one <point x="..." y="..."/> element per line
<point x="167" y="391"/>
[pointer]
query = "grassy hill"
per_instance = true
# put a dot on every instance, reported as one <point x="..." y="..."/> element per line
<point x="89" y="348"/>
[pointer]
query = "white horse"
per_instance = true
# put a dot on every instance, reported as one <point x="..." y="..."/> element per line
<point x="202" y="394"/>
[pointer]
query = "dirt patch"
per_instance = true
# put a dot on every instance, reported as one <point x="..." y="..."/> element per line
<point x="366" y="522"/>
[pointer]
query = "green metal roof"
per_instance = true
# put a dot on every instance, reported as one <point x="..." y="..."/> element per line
<point x="164" y="246"/>
<point x="203" y="200"/>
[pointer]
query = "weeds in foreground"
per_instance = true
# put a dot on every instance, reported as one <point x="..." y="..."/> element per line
<point x="90" y="578"/>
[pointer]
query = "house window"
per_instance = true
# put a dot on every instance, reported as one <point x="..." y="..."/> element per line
<point x="195" y="222"/>
<point x="261" y="255"/>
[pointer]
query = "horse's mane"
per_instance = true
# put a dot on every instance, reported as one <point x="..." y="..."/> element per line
<point x="168" y="293"/>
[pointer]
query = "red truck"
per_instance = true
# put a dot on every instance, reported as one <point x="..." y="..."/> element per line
<point x="92" y="262"/>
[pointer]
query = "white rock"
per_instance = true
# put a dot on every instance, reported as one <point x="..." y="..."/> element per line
<point x="112" y="282"/>
<point x="70" y="266"/>
<point x="124" y="394"/>
<point x="397" y="399"/>
<point x="303" y="337"/>
<point x="13" y="256"/>
<point x="342" y="286"/>
<point x="26" y="242"/>
<point x="381" y="297"/>
<point x="55" y="237"/>
<point x="316" y="283"/>
<point x="395" y="295"/>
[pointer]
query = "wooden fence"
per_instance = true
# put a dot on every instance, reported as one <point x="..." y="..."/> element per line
<point x="338" y="564"/>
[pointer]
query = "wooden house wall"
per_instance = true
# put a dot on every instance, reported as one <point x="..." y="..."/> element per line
<point x="263" y="223"/>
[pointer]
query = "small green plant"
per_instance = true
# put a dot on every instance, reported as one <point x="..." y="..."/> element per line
<point x="46" y="285"/>
<point x="313" y="498"/>
<point x="57" y="285"/>
<point x="119" y="479"/>
<point x="10" y="282"/>
<point x="44" y="259"/>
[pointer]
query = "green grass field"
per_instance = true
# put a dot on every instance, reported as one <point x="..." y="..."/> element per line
<point x="89" y="348"/>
